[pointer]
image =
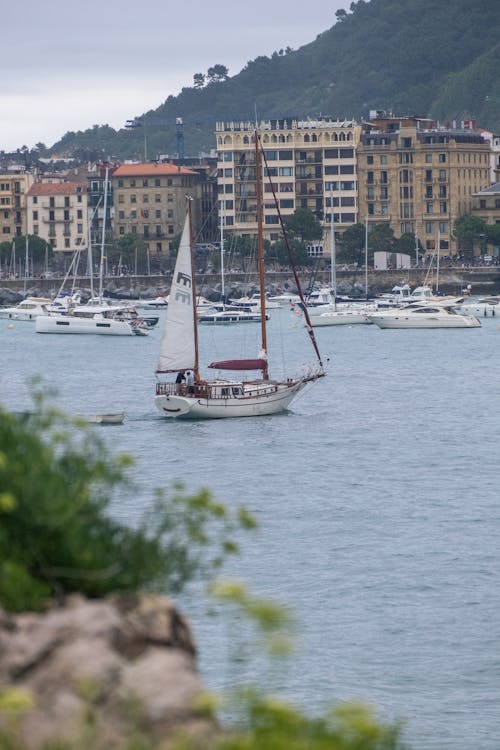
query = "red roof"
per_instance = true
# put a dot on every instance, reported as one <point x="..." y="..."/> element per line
<point x="151" y="170"/>
<point x="57" y="188"/>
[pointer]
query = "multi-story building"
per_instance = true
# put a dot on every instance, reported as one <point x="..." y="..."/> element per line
<point x="419" y="178"/>
<point x="486" y="205"/>
<point x="58" y="213"/>
<point x="312" y="165"/>
<point x="13" y="188"/>
<point x="150" y="201"/>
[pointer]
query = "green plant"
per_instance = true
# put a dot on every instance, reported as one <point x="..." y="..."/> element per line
<point x="57" y="535"/>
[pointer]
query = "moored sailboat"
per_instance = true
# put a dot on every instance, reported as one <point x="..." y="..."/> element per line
<point x="218" y="398"/>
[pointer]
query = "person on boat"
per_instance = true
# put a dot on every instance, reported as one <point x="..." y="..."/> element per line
<point x="181" y="378"/>
<point x="190" y="381"/>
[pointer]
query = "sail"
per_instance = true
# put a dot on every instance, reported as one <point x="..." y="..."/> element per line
<point x="239" y="364"/>
<point x="177" y="348"/>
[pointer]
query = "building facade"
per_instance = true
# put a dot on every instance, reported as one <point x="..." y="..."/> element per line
<point x="13" y="218"/>
<point x="311" y="163"/>
<point x="58" y="213"/>
<point x="150" y="202"/>
<point x="419" y="178"/>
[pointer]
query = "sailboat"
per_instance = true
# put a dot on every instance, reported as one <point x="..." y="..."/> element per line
<point x="219" y="398"/>
<point x="345" y="313"/>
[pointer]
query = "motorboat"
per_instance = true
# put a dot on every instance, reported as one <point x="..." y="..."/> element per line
<point x="284" y="300"/>
<point x="158" y="303"/>
<point x="28" y="309"/>
<point x="485" y="307"/>
<point x="343" y="315"/>
<point x="230" y="315"/>
<point x="253" y="303"/>
<point x="96" y="319"/>
<point x="423" y="315"/>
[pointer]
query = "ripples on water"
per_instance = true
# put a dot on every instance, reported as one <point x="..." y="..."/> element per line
<point x="377" y="499"/>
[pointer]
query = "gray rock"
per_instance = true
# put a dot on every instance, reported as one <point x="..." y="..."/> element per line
<point x="126" y="662"/>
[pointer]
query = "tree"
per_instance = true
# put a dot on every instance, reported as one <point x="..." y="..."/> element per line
<point x="351" y="244"/>
<point x="468" y="231"/>
<point x="217" y="73"/>
<point x="380" y="239"/>
<point x="198" y="80"/>
<point x="39" y="250"/>
<point x="303" y="225"/>
<point x="406" y="244"/>
<point x="278" y="252"/>
<point x="129" y="249"/>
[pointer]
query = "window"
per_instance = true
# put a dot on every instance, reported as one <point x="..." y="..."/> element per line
<point x="442" y="158"/>
<point x="443" y="227"/>
<point x="429" y="207"/>
<point x="133" y="198"/>
<point x="428" y="158"/>
<point x="383" y="193"/>
<point x="428" y="191"/>
<point x="52" y="202"/>
<point x="383" y="177"/>
<point x="35" y="215"/>
<point x="79" y="214"/>
<point x="121" y="198"/>
<point x="158" y="213"/>
<point x="79" y="228"/>
<point x="228" y="172"/>
<point x="370" y="193"/>
<point x="132" y="183"/>
<point x="384" y="209"/>
<point x="346" y="153"/>
<point x="429" y="227"/>
<point x="443" y="207"/>
<point x="285" y="171"/>
<point x="406" y="158"/>
<point x="144" y="183"/>
<point x="369" y="159"/>
<point x="121" y="215"/>
<point x="428" y="175"/>
<point x="369" y="177"/>
<point x="286" y="203"/>
<point x="285" y="155"/>
<point x="158" y="247"/>
<point x="145" y="198"/>
<point x="383" y="158"/>
<point x="157" y="198"/>
<point x="271" y="155"/>
<point x="442" y="191"/>
<point x="228" y="188"/>
<point x="66" y="215"/>
<point x="52" y="215"/>
<point x="35" y="229"/>
<point x="406" y="142"/>
<point x="157" y="182"/>
<point x="347" y="169"/>
<point x="442" y="175"/>
<point x="227" y="156"/>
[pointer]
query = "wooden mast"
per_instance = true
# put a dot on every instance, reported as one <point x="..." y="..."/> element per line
<point x="260" y="253"/>
<point x="193" y="290"/>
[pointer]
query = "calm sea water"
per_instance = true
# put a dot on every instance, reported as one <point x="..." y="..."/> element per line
<point x="377" y="497"/>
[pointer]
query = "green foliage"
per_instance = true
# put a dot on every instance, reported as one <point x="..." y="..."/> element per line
<point x="469" y="230"/>
<point x="350" y="248"/>
<point x="303" y="225"/>
<point x="56" y="533"/>
<point x="422" y="56"/>
<point x="39" y="250"/>
<point x="129" y="249"/>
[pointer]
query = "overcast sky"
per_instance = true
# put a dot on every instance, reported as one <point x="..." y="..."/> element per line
<point x="68" y="65"/>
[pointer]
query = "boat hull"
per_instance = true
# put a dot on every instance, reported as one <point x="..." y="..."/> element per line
<point x="68" y="324"/>
<point x="455" y="321"/>
<point x="274" y="400"/>
<point x="340" y="318"/>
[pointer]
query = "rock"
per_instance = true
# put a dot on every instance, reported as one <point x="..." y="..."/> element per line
<point x="124" y="663"/>
<point x="10" y="297"/>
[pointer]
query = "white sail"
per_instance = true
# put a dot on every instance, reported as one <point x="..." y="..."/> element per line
<point x="177" y="349"/>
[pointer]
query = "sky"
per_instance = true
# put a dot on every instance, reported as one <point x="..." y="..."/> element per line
<point x="69" y="65"/>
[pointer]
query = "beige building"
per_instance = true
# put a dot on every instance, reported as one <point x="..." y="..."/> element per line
<point x="311" y="163"/>
<point x="150" y="201"/>
<point x="57" y="212"/>
<point x="13" y="189"/>
<point x="419" y="178"/>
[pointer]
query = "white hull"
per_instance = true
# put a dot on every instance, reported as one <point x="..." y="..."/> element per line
<point x="489" y="307"/>
<point x="340" y="318"/>
<point x="440" y="319"/>
<point x="74" y="324"/>
<point x="28" y="309"/>
<point x="253" y="400"/>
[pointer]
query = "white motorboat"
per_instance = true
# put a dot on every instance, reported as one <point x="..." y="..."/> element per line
<point x="158" y="303"/>
<point x="284" y="300"/>
<point x="219" y="398"/>
<point x="348" y="315"/>
<point x="423" y="315"/>
<point x="229" y="315"/>
<point x="94" y="323"/>
<point x="28" y="309"/>
<point x="485" y="307"/>
<point x="253" y="303"/>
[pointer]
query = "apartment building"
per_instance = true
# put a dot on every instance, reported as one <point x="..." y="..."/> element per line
<point x="312" y="165"/>
<point x="150" y="201"/>
<point x="418" y="177"/>
<point x="13" y="189"/>
<point x="58" y="213"/>
<point x="486" y="204"/>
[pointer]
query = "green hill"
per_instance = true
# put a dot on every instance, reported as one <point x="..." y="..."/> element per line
<point x="430" y="57"/>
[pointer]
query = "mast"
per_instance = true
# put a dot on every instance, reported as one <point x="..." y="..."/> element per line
<point x="333" y="270"/>
<point x="193" y="289"/>
<point x="366" y="257"/>
<point x="437" y="260"/>
<point x="260" y="253"/>
<point x="26" y="262"/>
<point x="223" y="289"/>
<point x="101" y="267"/>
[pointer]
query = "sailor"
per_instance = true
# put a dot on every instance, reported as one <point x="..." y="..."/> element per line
<point x="190" y="381"/>
<point x="181" y="378"/>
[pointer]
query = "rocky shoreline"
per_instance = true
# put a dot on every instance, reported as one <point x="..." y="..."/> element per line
<point x="482" y="280"/>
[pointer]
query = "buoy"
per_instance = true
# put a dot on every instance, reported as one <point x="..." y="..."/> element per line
<point x="10" y="325"/>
